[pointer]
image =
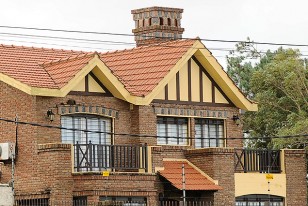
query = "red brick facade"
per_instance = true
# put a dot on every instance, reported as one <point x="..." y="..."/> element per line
<point x="44" y="165"/>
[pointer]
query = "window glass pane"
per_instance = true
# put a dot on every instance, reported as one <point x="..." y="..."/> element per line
<point x="172" y="131"/>
<point x="101" y="128"/>
<point x="198" y="136"/>
<point x="209" y="133"/>
<point x="93" y="125"/>
<point x="67" y="135"/>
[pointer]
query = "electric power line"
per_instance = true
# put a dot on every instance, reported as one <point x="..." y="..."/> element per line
<point x="142" y="135"/>
<point x="123" y="34"/>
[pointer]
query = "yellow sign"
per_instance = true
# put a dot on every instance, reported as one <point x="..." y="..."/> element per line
<point x="105" y="173"/>
<point x="269" y="176"/>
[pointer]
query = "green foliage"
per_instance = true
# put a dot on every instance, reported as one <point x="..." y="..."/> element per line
<point x="279" y="83"/>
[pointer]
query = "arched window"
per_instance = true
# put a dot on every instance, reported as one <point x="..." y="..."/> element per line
<point x="161" y="21"/>
<point x="150" y="21"/>
<point x="175" y="22"/>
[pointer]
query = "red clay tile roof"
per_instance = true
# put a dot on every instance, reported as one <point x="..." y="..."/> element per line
<point x="139" y="69"/>
<point x="142" y="68"/>
<point x="25" y="64"/>
<point x="194" y="180"/>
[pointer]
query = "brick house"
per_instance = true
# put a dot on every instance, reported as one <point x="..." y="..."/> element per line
<point x="126" y="125"/>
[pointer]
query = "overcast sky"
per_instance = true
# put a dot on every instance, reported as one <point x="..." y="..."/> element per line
<point x="279" y="21"/>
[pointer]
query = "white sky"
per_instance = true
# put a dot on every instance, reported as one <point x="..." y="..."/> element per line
<point x="279" y="21"/>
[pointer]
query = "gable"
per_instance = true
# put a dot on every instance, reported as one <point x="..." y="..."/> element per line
<point x="138" y="76"/>
<point x="90" y="85"/>
<point x="192" y="84"/>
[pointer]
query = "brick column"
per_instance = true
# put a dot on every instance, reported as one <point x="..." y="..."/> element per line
<point x="218" y="163"/>
<point x="296" y="171"/>
<point x="56" y="170"/>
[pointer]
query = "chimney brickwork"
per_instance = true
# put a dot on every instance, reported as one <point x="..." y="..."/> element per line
<point x="157" y="24"/>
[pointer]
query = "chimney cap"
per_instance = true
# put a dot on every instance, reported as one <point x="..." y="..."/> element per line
<point x="156" y="8"/>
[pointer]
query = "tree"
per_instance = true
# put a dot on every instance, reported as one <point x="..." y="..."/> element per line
<point x="281" y="88"/>
<point x="278" y="82"/>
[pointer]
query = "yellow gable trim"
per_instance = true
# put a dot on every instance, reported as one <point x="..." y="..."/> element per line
<point x="215" y="70"/>
<point x="93" y="63"/>
<point x="14" y="83"/>
<point x="149" y="98"/>
<point x="118" y="90"/>
<point x="222" y="79"/>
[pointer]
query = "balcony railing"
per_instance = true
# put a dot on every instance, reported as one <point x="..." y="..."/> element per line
<point x="98" y="157"/>
<point x="263" y="161"/>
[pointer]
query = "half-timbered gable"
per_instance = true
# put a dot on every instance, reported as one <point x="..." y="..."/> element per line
<point x="192" y="84"/>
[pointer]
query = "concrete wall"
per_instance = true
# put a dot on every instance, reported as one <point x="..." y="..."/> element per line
<point x="6" y="195"/>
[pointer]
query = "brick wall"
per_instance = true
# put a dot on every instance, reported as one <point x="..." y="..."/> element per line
<point x="42" y="171"/>
<point x="218" y="163"/>
<point x="125" y="184"/>
<point x="296" y="171"/>
<point x="231" y="129"/>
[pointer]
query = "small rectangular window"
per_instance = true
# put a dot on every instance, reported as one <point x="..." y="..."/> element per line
<point x="80" y="201"/>
<point x="123" y="200"/>
<point x="32" y="202"/>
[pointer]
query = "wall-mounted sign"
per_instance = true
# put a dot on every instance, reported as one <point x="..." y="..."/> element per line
<point x="269" y="176"/>
<point x="105" y="173"/>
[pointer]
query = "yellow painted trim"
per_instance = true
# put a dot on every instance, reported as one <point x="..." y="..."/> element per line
<point x="14" y="83"/>
<point x="195" y="82"/>
<point x="72" y="157"/>
<point x="119" y="91"/>
<point x="179" y="65"/>
<point x="216" y="71"/>
<point x="183" y="74"/>
<point x="256" y="183"/>
<point x="172" y="89"/>
<point x="283" y="168"/>
<point x="219" y="98"/>
<point x="150" y="166"/>
<point x="94" y="86"/>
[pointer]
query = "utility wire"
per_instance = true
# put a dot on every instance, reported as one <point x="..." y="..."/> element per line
<point x="96" y="41"/>
<point x="142" y="135"/>
<point x="122" y="34"/>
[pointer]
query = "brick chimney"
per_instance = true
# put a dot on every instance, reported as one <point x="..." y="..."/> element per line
<point x="157" y="24"/>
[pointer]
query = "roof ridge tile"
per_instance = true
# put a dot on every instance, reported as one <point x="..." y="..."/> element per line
<point x="65" y="59"/>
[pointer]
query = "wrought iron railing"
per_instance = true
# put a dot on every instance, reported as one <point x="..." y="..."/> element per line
<point x="47" y="202"/>
<point x="99" y="157"/>
<point x="263" y="161"/>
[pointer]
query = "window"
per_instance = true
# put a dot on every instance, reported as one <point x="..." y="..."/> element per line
<point x="172" y="131"/>
<point x="169" y="22"/>
<point x="125" y="201"/>
<point x="259" y="200"/>
<point x="161" y="21"/>
<point x="100" y="138"/>
<point x="87" y="122"/>
<point x="32" y="202"/>
<point x="80" y="201"/>
<point x="209" y="133"/>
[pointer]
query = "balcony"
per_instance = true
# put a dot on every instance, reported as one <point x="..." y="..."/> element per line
<point x="118" y="158"/>
<point x="262" y="161"/>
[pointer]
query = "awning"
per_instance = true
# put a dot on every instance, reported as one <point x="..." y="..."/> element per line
<point x="194" y="179"/>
